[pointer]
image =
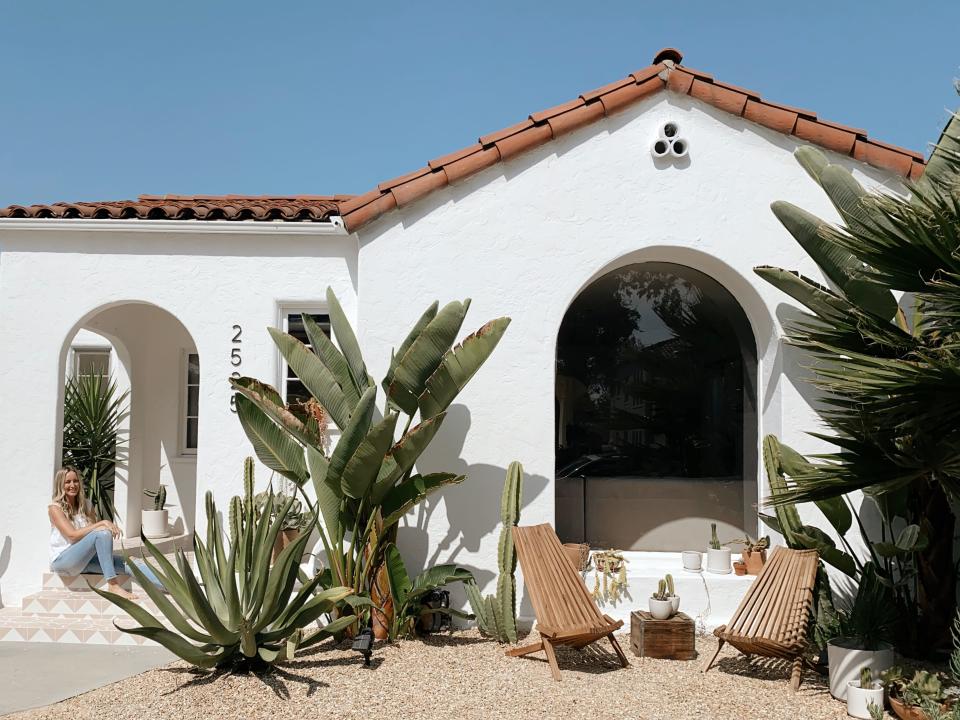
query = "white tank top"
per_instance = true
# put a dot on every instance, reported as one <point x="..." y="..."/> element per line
<point x="58" y="543"/>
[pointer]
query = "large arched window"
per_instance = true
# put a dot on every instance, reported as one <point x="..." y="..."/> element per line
<point x="656" y="412"/>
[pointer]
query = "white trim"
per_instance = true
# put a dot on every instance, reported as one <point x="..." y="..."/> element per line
<point x="246" y="227"/>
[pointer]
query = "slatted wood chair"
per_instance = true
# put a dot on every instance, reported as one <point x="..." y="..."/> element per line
<point x="772" y="618"/>
<point x="566" y="612"/>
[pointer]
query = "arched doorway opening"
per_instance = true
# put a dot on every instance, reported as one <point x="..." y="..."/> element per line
<point x="150" y="355"/>
<point x="656" y="432"/>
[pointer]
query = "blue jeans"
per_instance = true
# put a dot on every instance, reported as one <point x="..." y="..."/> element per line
<point x="93" y="553"/>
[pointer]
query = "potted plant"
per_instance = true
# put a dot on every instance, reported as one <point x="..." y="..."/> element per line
<point x="754" y="553"/>
<point x="924" y="696"/>
<point x="739" y="567"/>
<point x="864" y="636"/>
<point x="153" y="523"/>
<point x="661" y="607"/>
<point x="718" y="556"/>
<point x="672" y="594"/>
<point x="293" y="523"/>
<point x="863" y="693"/>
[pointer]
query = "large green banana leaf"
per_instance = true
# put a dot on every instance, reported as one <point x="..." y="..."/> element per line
<point x="273" y="446"/>
<point x="347" y="340"/>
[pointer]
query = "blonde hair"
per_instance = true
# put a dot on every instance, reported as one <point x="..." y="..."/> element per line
<point x="60" y="495"/>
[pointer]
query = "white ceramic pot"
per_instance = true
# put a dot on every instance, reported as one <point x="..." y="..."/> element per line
<point x="692" y="560"/>
<point x="718" y="561"/>
<point x="846" y="657"/>
<point x="661" y="609"/>
<point x="859" y="699"/>
<point x="153" y="523"/>
<point x="674" y="604"/>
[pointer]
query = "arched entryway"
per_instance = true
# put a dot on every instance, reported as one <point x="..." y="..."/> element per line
<point x="149" y="354"/>
<point x="656" y="419"/>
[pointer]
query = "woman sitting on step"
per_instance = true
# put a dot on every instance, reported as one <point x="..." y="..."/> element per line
<point x="79" y="543"/>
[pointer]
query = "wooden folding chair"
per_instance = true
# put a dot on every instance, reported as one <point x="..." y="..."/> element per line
<point x="772" y="618"/>
<point x="566" y="612"/>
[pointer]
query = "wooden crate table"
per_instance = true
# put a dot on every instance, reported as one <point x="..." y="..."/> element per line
<point x="671" y="639"/>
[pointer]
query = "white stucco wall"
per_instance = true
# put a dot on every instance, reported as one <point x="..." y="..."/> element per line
<point x="524" y="237"/>
<point x="521" y="239"/>
<point x="54" y="280"/>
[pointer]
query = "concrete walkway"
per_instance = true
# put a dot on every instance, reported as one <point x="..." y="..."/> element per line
<point x="36" y="674"/>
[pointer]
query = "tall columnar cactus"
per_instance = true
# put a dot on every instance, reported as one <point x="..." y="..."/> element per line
<point x="497" y="614"/>
<point x="161" y="499"/>
<point x="671" y="590"/>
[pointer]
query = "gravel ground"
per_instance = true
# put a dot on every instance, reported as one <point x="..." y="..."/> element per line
<point x="464" y="676"/>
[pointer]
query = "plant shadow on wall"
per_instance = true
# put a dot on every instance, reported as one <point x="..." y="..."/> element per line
<point x="367" y="485"/>
<point x="4" y="562"/>
<point x="890" y="378"/>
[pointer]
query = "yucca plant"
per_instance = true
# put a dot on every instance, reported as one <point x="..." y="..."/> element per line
<point x="890" y="371"/>
<point x="239" y="612"/>
<point x="368" y="483"/>
<point x="93" y="410"/>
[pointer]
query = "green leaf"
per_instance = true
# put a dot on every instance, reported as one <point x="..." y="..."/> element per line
<point x="404" y="496"/>
<point x="353" y="434"/>
<point x="362" y="467"/>
<point x="397" y="575"/>
<point x="403" y="455"/>
<point x="458" y="366"/>
<point x="348" y="343"/>
<point x="843" y="269"/>
<point x="812" y="160"/>
<point x="837" y="513"/>
<point x="911" y="539"/>
<point x="180" y="647"/>
<point x="429" y="314"/>
<point x="315" y="376"/>
<point x="268" y="400"/>
<point x="328" y="497"/>
<point x="272" y="445"/>
<point x="336" y="363"/>
<point x="425" y="353"/>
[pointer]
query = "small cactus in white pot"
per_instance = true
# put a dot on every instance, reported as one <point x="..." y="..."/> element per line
<point x="672" y="594"/>
<point x="661" y="607"/>
<point x="863" y="693"/>
<point x="718" y="556"/>
<point x="153" y="523"/>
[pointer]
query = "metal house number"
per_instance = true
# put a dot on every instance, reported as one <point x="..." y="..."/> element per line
<point x="236" y="360"/>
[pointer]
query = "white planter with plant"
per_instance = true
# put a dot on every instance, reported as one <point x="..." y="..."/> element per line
<point x="153" y="523"/>
<point x="864" y="693"/>
<point x="847" y="657"/>
<point x="661" y="607"/>
<point x="718" y="556"/>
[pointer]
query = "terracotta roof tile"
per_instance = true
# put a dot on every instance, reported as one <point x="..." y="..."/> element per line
<point x="307" y="208"/>
<point x="539" y="128"/>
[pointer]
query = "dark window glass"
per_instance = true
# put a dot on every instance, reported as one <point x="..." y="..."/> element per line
<point x="295" y="390"/>
<point x="654" y="363"/>
<point x="193" y="401"/>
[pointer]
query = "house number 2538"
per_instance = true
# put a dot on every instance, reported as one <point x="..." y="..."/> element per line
<point x="236" y="359"/>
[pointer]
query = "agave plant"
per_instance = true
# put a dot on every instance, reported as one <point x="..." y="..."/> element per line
<point x="368" y="483"/>
<point x="93" y="410"/>
<point x="890" y="374"/>
<point x="240" y="610"/>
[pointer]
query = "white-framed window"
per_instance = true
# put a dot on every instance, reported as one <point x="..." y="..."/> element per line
<point x="290" y="387"/>
<point x="190" y="415"/>
<point x="89" y="361"/>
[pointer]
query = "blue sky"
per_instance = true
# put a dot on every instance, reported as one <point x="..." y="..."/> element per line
<point x="108" y="100"/>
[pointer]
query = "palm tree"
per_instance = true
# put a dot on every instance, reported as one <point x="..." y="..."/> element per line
<point x="890" y="371"/>
<point x="93" y="411"/>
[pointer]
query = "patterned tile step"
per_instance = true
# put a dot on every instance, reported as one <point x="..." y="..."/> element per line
<point x="76" y="603"/>
<point x="19" y="628"/>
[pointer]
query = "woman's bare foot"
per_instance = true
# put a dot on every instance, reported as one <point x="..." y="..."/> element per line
<point x="117" y="589"/>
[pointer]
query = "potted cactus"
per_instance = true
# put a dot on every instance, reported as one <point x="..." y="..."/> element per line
<point x="153" y="523"/>
<point x="863" y="693"/>
<point x="718" y="556"/>
<point x="661" y="607"/>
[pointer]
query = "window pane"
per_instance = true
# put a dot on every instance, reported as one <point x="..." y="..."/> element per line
<point x="193" y="400"/>
<point x="192" y="433"/>
<point x="650" y="412"/>
<point x="93" y="362"/>
<point x="295" y="390"/>
<point x="193" y="369"/>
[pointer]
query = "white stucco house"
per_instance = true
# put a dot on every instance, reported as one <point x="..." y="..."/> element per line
<point x="643" y="365"/>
